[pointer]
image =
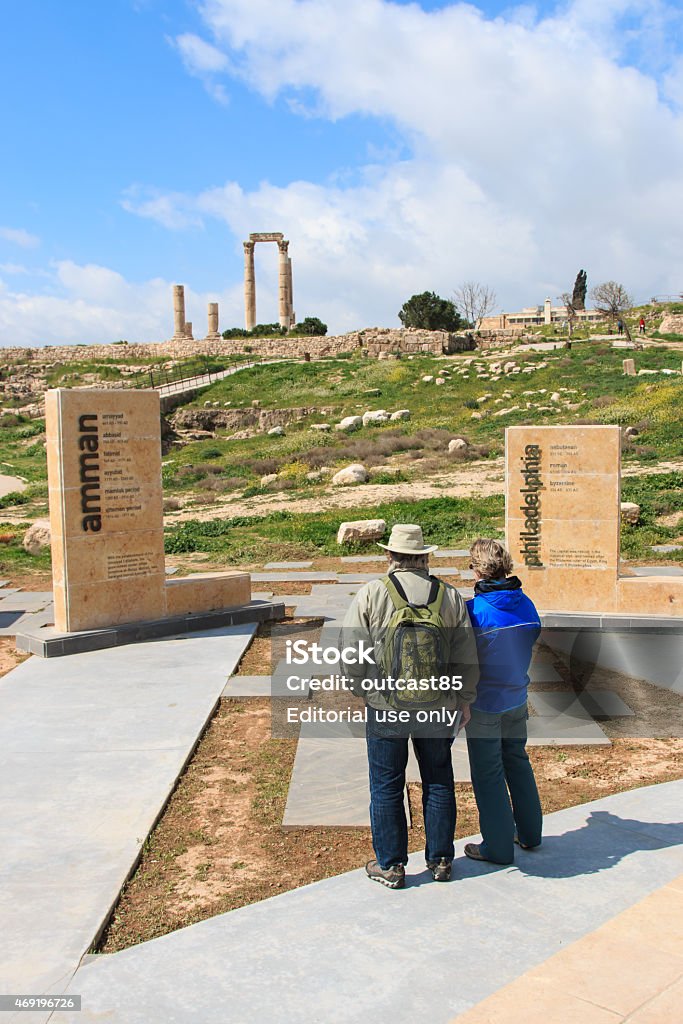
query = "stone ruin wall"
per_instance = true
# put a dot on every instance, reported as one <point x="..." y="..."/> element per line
<point x="373" y="341"/>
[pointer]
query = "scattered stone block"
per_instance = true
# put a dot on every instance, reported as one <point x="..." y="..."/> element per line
<point x="356" y="473"/>
<point x="458" y="444"/>
<point x="378" y="416"/>
<point x="276" y="432"/>
<point x="269" y="478"/>
<point x="400" y="414"/>
<point x="630" y="512"/>
<point x="37" y="537"/>
<point x="361" y="530"/>
<point x="349" y="424"/>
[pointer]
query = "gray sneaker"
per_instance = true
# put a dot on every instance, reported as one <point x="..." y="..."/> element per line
<point x="393" y="877"/>
<point x="440" y="869"/>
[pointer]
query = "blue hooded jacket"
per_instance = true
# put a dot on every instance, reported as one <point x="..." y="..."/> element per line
<point x="506" y="627"/>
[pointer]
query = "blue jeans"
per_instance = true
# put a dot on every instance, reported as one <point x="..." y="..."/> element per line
<point x="387" y="760"/>
<point x="503" y="782"/>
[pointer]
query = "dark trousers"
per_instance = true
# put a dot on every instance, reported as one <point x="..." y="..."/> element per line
<point x="503" y="782"/>
<point x="387" y="760"/>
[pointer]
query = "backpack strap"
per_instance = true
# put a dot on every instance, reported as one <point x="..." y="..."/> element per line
<point x="436" y="596"/>
<point x="400" y="599"/>
<point x="396" y="592"/>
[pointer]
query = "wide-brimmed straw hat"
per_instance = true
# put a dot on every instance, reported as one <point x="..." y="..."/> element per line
<point x="407" y="539"/>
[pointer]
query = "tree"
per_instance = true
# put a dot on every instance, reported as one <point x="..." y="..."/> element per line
<point x="578" y="299"/>
<point x="568" y="301"/>
<point x="431" y="313"/>
<point x="611" y="299"/>
<point x="310" y="326"/>
<point x="475" y="300"/>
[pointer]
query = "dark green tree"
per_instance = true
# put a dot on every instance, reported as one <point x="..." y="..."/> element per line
<point x="310" y="326"/>
<point x="431" y="313"/>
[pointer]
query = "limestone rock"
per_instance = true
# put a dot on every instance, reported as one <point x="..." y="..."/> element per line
<point x="400" y="414"/>
<point x="37" y="537"/>
<point x="630" y="513"/>
<point x="428" y="378"/>
<point x="458" y="444"/>
<point x="270" y="478"/>
<point x="361" y="529"/>
<point x="440" y="380"/>
<point x="356" y="473"/>
<point x="276" y="432"/>
<point x="378" y="416"/>
<point x="476" y="416"/>
<point x="349" y="424"/>
<point x="631" y="432"/>
<point x="320" y="426"/>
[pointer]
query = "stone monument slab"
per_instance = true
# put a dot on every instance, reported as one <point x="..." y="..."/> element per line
<point x="106" y="516"/>
<point x="563" y="540"/>
<point x="562" y="519"/>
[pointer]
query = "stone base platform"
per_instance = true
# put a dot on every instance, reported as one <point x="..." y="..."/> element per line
<point x="48" y="642"/>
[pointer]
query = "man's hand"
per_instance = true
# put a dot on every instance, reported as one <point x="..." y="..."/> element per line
<point x="466" y="715"/>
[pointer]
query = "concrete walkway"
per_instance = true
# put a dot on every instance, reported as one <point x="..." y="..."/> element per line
<point x="90" y="750"/>
<point x="347" y="950"/>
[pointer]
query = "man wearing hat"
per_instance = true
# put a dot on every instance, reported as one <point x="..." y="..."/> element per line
<point x="409" y="590"/>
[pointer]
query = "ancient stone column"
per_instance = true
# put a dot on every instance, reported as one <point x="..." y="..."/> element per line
<point x="630" y="367"/>
<point x="290" y="295"/>
<point x="188" y="330"/>
<point x="213" y="334"/>
<point x="249" y="287"/>
<point x="178" y="311"/>
<point x="283" y="288"/>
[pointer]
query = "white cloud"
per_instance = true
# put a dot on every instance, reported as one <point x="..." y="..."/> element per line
<point x="536" y="149"/>
<point x="94" y="304"/>
<point x="537" y="145"/>
<point x="18" y="236"/>
<point x="203" y="61"/>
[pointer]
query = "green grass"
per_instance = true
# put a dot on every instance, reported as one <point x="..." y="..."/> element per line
<point x="657" y="495"/>
<point x="593" y="369"/>
<point x="446" y="521"/>
<point x="13" y="558"/>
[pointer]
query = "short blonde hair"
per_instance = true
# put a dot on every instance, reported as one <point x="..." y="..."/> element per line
<point x="490" y="559"/>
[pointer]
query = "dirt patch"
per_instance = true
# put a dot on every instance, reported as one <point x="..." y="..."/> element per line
<point x="10" y="657"/>
<point x="476" y="479"/>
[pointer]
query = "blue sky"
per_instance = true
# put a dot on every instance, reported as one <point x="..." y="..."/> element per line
<point x="399" y="147"/>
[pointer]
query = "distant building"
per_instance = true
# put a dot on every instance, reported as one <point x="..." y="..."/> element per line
<point x="537" y="316"/>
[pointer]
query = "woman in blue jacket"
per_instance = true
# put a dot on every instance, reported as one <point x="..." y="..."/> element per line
<point x="506" y="626"/>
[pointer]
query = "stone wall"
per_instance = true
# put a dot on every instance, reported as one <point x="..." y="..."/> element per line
<point x="374" y="341"/>
<point x="672" y="324"/>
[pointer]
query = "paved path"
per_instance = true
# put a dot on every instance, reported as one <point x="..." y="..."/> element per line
<point x="10" y="483"/>
<point x="635" y="975"/>
<point x="347" y="950"/>
<point x="90" y="750"/>
<point x="204" y="380"/>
